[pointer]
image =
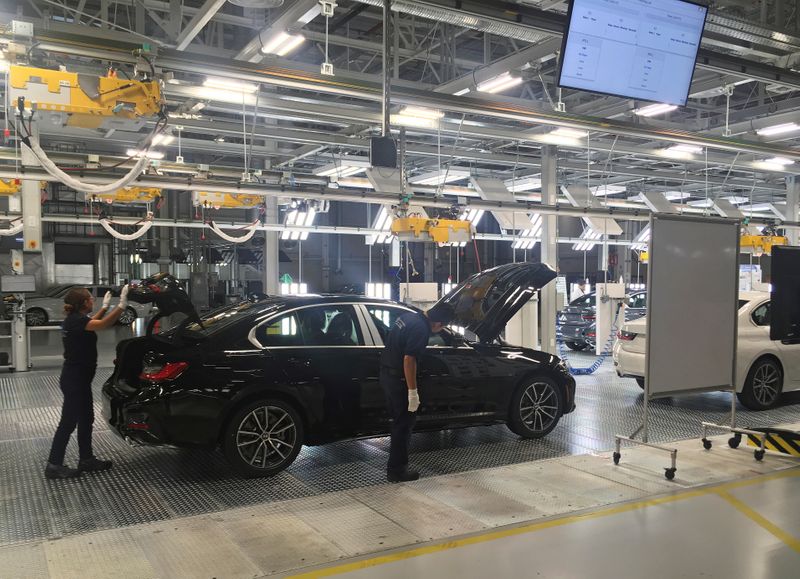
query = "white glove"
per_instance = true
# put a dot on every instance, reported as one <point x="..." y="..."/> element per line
<point x="123" y="297"/>
<point x="107" y="300"/>
<point x="413" y="400"/>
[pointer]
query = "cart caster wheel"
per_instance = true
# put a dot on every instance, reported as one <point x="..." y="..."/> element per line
<point x="734" y="441"/>
<point x="707" y="444"/>
<point x="617" y="456"/>
<point x="758" y="455"/>
<point x="669" y="473"/>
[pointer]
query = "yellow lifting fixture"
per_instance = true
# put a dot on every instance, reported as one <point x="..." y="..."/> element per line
<point x="85" y="99"/>
<point x="761" y="244"/>
<point x="212" y="199"/>
<point x="131" y="195"/>
<point x="436" y="230"/>
<point x="14" y="186"/>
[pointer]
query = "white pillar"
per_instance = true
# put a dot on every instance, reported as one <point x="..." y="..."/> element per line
<point x="793" y="208"/>
<point x="549" y="247"/>
<point x="271" y="249"/>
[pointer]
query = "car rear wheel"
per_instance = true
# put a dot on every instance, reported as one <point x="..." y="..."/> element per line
<point x="640" y="382"/>
<point x="127" y="317"/>
<point x="36" y="317"/>
<point x="576" y="346"/>
<point x="763" y="385"/>
<point x="263" y="438"/>
<point x="536" y="407"/>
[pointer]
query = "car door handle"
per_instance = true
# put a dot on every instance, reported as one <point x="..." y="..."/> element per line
<point x="305" y="362"/>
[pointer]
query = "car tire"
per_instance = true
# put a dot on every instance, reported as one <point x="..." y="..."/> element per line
<point x="536" y="407"/>
<point x="763" y="385"/>
<point x="127" y="317"/>
<point x="575" y="346"/>
<point x="36" y="317"/>
<point x="254" y="447"/>
<point x="640" y="381"/>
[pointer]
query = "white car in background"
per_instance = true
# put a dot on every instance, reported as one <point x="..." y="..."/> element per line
<point x="48" y="308"/>
<point x="764" y="368"/>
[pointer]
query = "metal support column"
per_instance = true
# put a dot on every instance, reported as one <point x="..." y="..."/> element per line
<point x="793" y="207"/>
<point x="387" y="85"/>
<point x="271" y="249"/>
<point x="549" y="248"/>
<point x="164" y="245"/>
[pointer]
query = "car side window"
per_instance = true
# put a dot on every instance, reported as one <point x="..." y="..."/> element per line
<point x="638" y="301"/>
<point x="284" y="331"/>
<point x="329" y="326"/>
<point x="384" y="318"/>
<point x="761" y="315"/>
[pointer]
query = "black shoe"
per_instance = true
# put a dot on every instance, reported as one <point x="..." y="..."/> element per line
<point x="60" y="471"/>
<point x="401" y="476"/>
<point x="94" y="464"/>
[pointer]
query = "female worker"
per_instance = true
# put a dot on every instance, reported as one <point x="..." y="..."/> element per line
<point x="80" y="363"/>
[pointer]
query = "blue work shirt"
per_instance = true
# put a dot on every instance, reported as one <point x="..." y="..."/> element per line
<point x="408" y="337"/>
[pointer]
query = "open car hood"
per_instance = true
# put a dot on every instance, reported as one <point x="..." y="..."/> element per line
<point x="486" y="301"/>
<point x="166" y="293"/>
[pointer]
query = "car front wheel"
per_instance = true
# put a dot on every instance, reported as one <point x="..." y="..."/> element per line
<point x="35" y="317"/>
<point x="576" y="346"/>
<point x="263" y="438"/>
<point x="536" y="407"/>
<point x="127" y="317"/>
<point x="763" y="385"/>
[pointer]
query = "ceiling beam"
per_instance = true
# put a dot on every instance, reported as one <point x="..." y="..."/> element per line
<point x="198" y="22"/>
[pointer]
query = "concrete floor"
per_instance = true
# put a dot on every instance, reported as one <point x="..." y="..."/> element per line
<point x="488" y="503"/>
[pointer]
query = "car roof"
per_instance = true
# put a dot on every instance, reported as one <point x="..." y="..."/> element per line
<point x="752" y="296"/>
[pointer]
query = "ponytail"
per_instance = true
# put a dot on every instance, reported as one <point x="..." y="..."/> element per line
<point x="74" y="300"/>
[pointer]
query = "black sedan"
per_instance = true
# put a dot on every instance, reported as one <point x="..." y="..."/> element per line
<point x="576" y="322"/>
<point x="262" y="378"/>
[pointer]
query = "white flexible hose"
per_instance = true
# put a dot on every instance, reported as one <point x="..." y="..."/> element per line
<point x="246" y="237"/>
<point x="128" y="237"/>
<point x="11" y="230"/>
<point x="70" y="181"/>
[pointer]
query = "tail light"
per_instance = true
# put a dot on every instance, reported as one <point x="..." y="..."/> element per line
<point x="163" y="373"/>
<point x="591" y="334"/>
<point x="588" y="317"/>
<point x="626" y="336"/>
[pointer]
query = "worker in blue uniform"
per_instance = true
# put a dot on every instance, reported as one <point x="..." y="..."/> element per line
<point x="80" y="362"/>
<point x="405" y="344"/>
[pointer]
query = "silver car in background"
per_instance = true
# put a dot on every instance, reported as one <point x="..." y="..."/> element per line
<point x="48" y="308"/>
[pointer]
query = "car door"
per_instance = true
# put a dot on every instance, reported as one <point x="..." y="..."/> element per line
<point x="636" y="306"/>
<point x="332" y="356"/>
<point x="448" y="373"/>
<point x="789" y="353"/>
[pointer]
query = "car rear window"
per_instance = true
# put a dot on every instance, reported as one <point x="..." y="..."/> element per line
<point x="218" y="320"/>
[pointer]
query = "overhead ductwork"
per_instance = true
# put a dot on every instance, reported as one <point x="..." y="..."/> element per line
<point x="264" y="4"/>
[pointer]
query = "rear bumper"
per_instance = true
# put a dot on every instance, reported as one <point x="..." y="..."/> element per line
<point x="131" y="419"/>
<point x="629" y="364"/>
<point x="569" y="386"/>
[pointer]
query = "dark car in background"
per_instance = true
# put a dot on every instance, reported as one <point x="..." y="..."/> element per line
<point x="261" y="379"/>
<point x="577" y="321"/>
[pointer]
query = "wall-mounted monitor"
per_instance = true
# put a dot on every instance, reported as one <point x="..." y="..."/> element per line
<point x="639" y="49"/>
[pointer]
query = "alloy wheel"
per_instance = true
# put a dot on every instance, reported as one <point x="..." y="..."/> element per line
<point x="127" y="317"/>
<point x="766" y="383"/>
<point x="35" y="318"/>
<point x="266" y="437"/>
<point x="538" y="407"/>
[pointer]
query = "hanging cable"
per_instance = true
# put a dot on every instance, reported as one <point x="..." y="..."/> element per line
<point x="147" y="223"/>
<point x="14" y="229"/>
<point x="251" y="231"/>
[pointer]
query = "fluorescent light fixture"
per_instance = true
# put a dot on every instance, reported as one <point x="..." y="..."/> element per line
<point x="684" y="148"/>
<point x="605" y="190"/>
<point x="231" y="85"/>
<point x="380" y="291"/>
<point x="298" y="217"/>
<point x="149" y="154"/>
<point x="642" y="240"/>
<point x="473" y="216"/>
<point x="528" y="237"/>
<point x="704" y="203"/>
<point x="570" y="133"/>
<point x="461" y="92"/>
<point x="345" y="166"/>
<point x="778" y="129"/>
<point x="499" y="83"/>
<point x="782" y="161"/>
<point x="422" y="112"/>
<point x="440" y="177"/>
<point x="418" y="117"/>
<point x="282" y="44"/>
<point x="653" y="110"/>
<point x="589" y="238"/>
<point x="736" y="199"/>
<point x="288" y="289"/>
<point x="382" y="222"/>
<point x="676" y="195"/>
<point x="163" y="139"/>
<point x="523" y="184"/>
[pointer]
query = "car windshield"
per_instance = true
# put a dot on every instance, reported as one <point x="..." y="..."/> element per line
<point x="583" y="301"/>
<point x="217" y="320"/>
<point x="743" y="303"/>
<point x="57" y="290"/>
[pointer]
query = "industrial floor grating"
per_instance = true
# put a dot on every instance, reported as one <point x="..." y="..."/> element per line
<point x="151" y="484"/>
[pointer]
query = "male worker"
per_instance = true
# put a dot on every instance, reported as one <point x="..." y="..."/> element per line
<point x="405" y="343"/>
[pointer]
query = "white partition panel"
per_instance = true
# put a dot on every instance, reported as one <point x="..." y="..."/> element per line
<point x="692" y="305"/>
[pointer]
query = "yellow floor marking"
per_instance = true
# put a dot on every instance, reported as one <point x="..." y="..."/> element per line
<point x="790" y="540"/>
<point x="561" y="521"/>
